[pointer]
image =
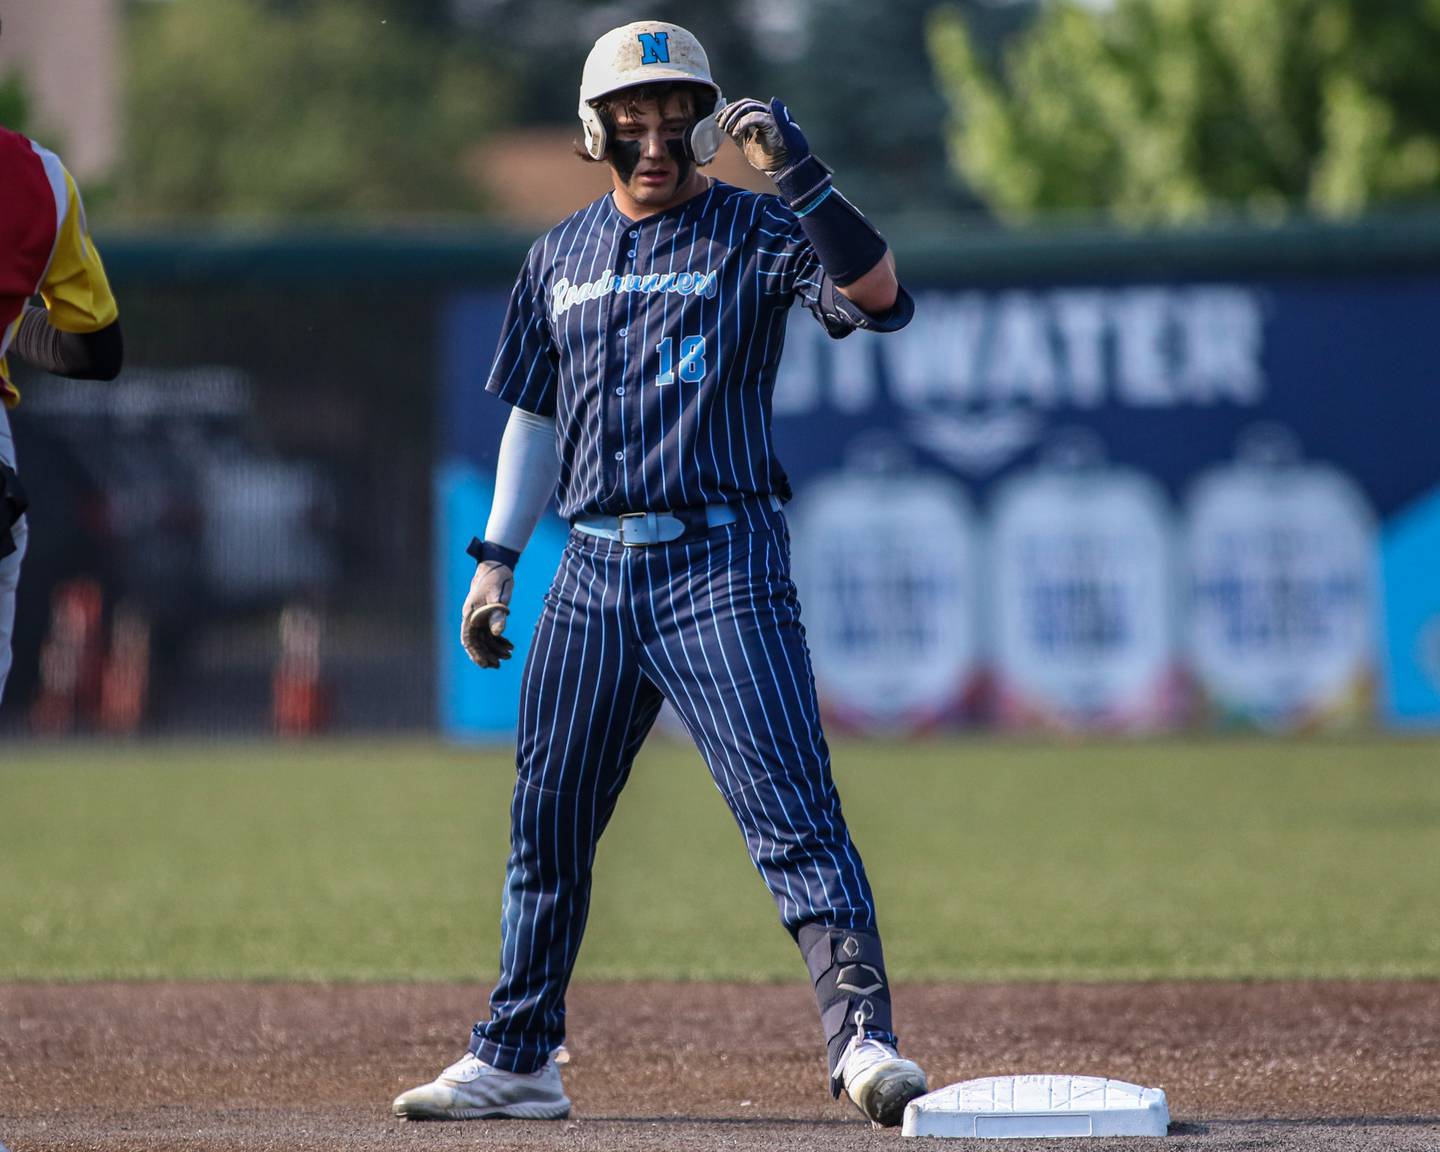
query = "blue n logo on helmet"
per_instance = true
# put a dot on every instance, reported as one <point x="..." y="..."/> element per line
<point x="655" y="47"/>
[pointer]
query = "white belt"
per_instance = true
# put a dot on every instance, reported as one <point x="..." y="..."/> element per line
<point x="642" y="529"/>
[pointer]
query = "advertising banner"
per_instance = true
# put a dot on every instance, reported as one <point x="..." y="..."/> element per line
<point x="1081" y="599"/>
<point x="1124" y="506"/>
<point x="893" y="635"/>
<point x="1282" y="606"/>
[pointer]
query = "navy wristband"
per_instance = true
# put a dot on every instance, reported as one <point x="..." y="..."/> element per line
<point x="485" y="552"/>
<point x="846" y="244"/>
<point x="804" y="183"/>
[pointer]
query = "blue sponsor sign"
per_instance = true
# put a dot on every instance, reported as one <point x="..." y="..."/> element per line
<point x="1164" y="380"/>
<point x="1410" y="569"/>
<point x="477" y="703"/>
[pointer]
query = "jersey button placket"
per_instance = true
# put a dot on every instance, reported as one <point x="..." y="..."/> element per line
<point x="642" y="243"/>
<point x="618" y="305"/>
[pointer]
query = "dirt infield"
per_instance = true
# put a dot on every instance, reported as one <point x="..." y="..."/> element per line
<point x="681" y="1066"/>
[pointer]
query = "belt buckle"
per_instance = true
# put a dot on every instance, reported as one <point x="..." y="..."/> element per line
<point x="620" y="521"/>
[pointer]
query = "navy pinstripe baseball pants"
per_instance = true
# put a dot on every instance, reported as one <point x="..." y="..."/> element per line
<point x="712" y="625"/>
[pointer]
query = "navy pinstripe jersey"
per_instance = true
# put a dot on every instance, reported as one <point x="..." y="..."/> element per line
<point x="654" y="343"/>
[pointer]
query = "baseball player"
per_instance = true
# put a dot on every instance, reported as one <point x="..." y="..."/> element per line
<point x="45" y="250"/>
<point x="639" y="353"/>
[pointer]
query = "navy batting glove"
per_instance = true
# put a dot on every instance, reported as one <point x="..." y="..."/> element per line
<point x="797" y="148"/>
<point x="805" y="180"/>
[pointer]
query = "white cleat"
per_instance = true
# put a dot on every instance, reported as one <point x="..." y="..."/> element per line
<point x="880" y="1081"/>
<point x="470" y="1089"/>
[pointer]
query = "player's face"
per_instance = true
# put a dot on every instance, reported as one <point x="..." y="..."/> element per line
<point x="653" y="136"/>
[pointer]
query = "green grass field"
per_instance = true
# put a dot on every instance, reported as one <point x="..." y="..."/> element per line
<point x="991" y="861"/>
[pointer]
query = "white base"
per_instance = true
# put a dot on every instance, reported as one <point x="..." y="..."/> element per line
<point x="1010" y="1107"/>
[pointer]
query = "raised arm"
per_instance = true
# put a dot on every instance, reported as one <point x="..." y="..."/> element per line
<point x="849" y="248"/>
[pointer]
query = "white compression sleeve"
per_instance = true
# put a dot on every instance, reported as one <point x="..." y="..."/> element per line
<point x="525" y="479"/>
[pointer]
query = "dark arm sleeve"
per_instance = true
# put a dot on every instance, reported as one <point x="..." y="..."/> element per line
<point x="791" y="265"/>
<point x="82" y="355"/>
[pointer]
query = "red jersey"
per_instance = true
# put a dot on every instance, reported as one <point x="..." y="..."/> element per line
<point x="45" y="248"/>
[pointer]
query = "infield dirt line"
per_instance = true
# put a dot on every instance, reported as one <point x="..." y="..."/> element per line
<point x="296" y="1066"/>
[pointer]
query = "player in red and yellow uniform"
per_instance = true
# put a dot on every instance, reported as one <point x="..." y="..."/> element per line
<point x="45" y="250"/>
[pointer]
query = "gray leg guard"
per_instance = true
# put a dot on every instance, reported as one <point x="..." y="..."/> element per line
<point x="847" y="969"/>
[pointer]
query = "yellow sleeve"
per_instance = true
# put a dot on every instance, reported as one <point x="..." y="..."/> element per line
<point x="9" y="394"/>
<point x="75" y="290"/>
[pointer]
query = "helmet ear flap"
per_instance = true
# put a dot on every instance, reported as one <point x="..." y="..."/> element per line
<point x="596" y="137"/>
<point x="702" y="143"/>
<point x="706" y="136"/>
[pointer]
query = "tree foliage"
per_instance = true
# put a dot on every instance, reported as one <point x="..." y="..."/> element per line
<point x="249" y="108"/>
<point x="14" y="107"/>
<point x="868" y="100"/>
<point x="856" y="74"/>
<point x="1174" y="110"/>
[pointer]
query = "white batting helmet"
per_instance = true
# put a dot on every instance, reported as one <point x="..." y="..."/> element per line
<point x="647" y="52"/>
